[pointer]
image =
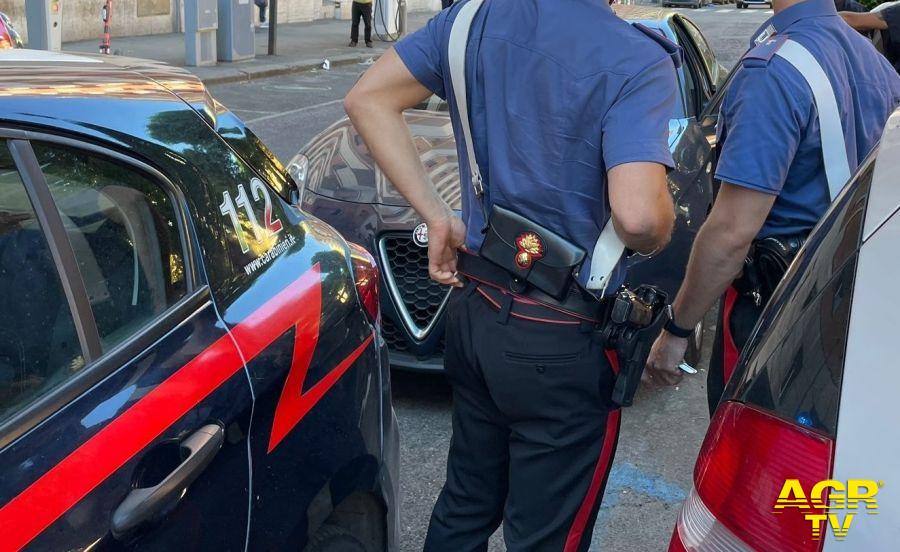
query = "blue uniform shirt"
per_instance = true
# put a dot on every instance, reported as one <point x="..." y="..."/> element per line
<point x="560" y="91"/>
<point x="768" y="126"/>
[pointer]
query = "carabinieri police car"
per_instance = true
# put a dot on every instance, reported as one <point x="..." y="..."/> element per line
<point x="187" y="360"/>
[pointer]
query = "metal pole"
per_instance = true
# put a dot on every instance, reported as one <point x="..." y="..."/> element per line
<point x="401" y="26"/>
<point x="273" y="26"/>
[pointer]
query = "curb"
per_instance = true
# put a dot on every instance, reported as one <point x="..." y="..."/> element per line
<point x="273" y="70"/>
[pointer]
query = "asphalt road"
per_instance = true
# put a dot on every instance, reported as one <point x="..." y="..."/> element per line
<point x="660" y="434"/>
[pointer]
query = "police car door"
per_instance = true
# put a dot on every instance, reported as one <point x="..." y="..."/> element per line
<point x="124" y="405"/>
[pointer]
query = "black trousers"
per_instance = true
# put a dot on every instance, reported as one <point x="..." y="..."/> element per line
<point x="738" y="315"/>
<point x="364" y="11"/>
<point x="534" y="430"/>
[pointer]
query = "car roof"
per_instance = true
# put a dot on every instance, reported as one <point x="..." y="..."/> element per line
<point x="650" y="16"/>
<point x="884" y="196"/>
<point x="36" y="85"/>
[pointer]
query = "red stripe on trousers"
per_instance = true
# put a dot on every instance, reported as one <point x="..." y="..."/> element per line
<point x="65" y="484"/>
<point x="576" y="532"/>
<point x="729" y="350"/>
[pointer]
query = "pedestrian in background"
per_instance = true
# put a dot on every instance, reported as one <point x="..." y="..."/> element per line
<point x="886" y="23"/>
<point x="849" y="6"/>
<point x="569" y="108"/>
<point x="262" y="5"/>
<point x="776" y="180"/>
<point x="361" y="9"/>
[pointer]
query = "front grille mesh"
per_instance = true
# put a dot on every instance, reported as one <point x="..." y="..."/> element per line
<point x="408" y="264"/>
<point x="393" y="335"/>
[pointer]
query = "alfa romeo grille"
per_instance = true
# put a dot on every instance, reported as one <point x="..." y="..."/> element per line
<point x="419" y="299"/>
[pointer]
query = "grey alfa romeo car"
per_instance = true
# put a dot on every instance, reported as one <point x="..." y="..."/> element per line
<point x="341" y="185"/>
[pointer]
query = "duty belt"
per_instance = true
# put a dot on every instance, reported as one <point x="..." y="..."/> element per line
<point x="533" y="303"/>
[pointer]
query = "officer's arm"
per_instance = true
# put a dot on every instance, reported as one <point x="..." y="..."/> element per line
<point x="642" y="209"/>
<point x="865" y="21"/>
<point x="719" y="250"/>
<point x="375" y="105"/>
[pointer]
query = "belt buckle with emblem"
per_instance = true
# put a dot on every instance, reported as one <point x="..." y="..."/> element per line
<point x="530" y="248"/>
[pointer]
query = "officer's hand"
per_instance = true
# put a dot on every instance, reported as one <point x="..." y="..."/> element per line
<point x="445" y="236"/>
<point x="665" y="356"/>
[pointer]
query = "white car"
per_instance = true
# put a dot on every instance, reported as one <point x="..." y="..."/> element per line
<point x="742" y="4"/>
<point x="804" y="448"/>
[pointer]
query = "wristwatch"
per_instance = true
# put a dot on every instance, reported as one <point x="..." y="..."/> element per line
<point x="674" y="328"/>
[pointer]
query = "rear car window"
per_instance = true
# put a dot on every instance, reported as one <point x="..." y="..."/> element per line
<point x="795" y="363"/>
<point x="39" y="347"/>
<point x="123" y="229"/>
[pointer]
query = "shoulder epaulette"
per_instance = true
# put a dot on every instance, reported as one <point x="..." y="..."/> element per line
<point x="761" y="54"/>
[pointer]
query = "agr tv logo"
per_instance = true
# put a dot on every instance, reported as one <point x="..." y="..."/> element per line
<point x="824" y="498"/>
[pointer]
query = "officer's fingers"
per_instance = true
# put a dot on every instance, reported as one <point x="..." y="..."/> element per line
<point x="670" y="376"/>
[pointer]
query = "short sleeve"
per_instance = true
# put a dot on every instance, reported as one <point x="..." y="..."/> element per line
<point x="423" y="52"/>
<point x="636" y="126"/>
<point x="763" y="118"/>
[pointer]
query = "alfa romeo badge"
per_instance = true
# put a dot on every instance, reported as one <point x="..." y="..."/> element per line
<point x="420" y="235"/>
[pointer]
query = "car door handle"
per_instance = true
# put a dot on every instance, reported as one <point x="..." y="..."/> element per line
<point x="146" y="504"/>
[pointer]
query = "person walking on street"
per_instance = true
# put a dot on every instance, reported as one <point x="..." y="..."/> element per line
<point x="560" y="111"/>
<point x="262" y="5"/>
<point x="828" y="94"/>
<point x="361" y="9"/>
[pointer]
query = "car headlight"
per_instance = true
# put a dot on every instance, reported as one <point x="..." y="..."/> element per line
<point x="298" y="168"/>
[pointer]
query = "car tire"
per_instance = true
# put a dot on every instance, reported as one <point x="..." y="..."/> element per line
<point x="694" y="349"/>
<point x="334" y="538"/>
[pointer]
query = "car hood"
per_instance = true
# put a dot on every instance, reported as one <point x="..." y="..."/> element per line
<point x="340" y="166"/>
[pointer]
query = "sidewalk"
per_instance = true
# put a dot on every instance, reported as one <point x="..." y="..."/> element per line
<point x="301" y="46"/>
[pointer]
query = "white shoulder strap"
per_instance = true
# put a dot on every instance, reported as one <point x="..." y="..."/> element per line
<point x="459" y="38"/>
<point x="609" y="248"/>
<point x="834" y="148"/>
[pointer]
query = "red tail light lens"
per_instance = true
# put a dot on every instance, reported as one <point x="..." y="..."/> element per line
<point x="365" y="272"/>
<point x="745" y="459"/>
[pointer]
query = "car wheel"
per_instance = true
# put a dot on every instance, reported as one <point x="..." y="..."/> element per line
<point x="334" y="538"/>
<point x="695" y="346"/>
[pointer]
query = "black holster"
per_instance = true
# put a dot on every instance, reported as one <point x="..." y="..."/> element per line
<point x="765" y="266"/>
<point x="636" y="318"/>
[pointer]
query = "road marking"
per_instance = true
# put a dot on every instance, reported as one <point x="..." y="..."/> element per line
<point x="293" y="111"/>
<point x="726" y="10"/>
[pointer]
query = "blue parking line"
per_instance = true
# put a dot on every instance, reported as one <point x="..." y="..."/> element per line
<point x="628" y="477"/>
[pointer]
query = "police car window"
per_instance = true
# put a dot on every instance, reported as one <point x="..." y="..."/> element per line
<point x="39" y="348"/>
<point x="694" y="94"/>
<point x="691" y="91"/>
<point x="123" y="229"/>
<point x="702" y="47"/>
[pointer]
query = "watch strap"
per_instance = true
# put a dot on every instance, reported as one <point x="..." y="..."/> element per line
<point x="677" y="330"/>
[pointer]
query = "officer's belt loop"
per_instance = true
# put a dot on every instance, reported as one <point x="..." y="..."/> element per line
<point x="506" y="302"/>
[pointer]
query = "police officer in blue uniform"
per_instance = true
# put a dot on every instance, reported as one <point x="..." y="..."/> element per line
<point x="569" y="108"/>
<point x="774" y="175"/>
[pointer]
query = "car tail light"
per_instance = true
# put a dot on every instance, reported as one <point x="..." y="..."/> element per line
<point x="365" y="273"/>
<point x="744" y="461"/>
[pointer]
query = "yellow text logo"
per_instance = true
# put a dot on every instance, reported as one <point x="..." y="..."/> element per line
<point x="822" y="504"/>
